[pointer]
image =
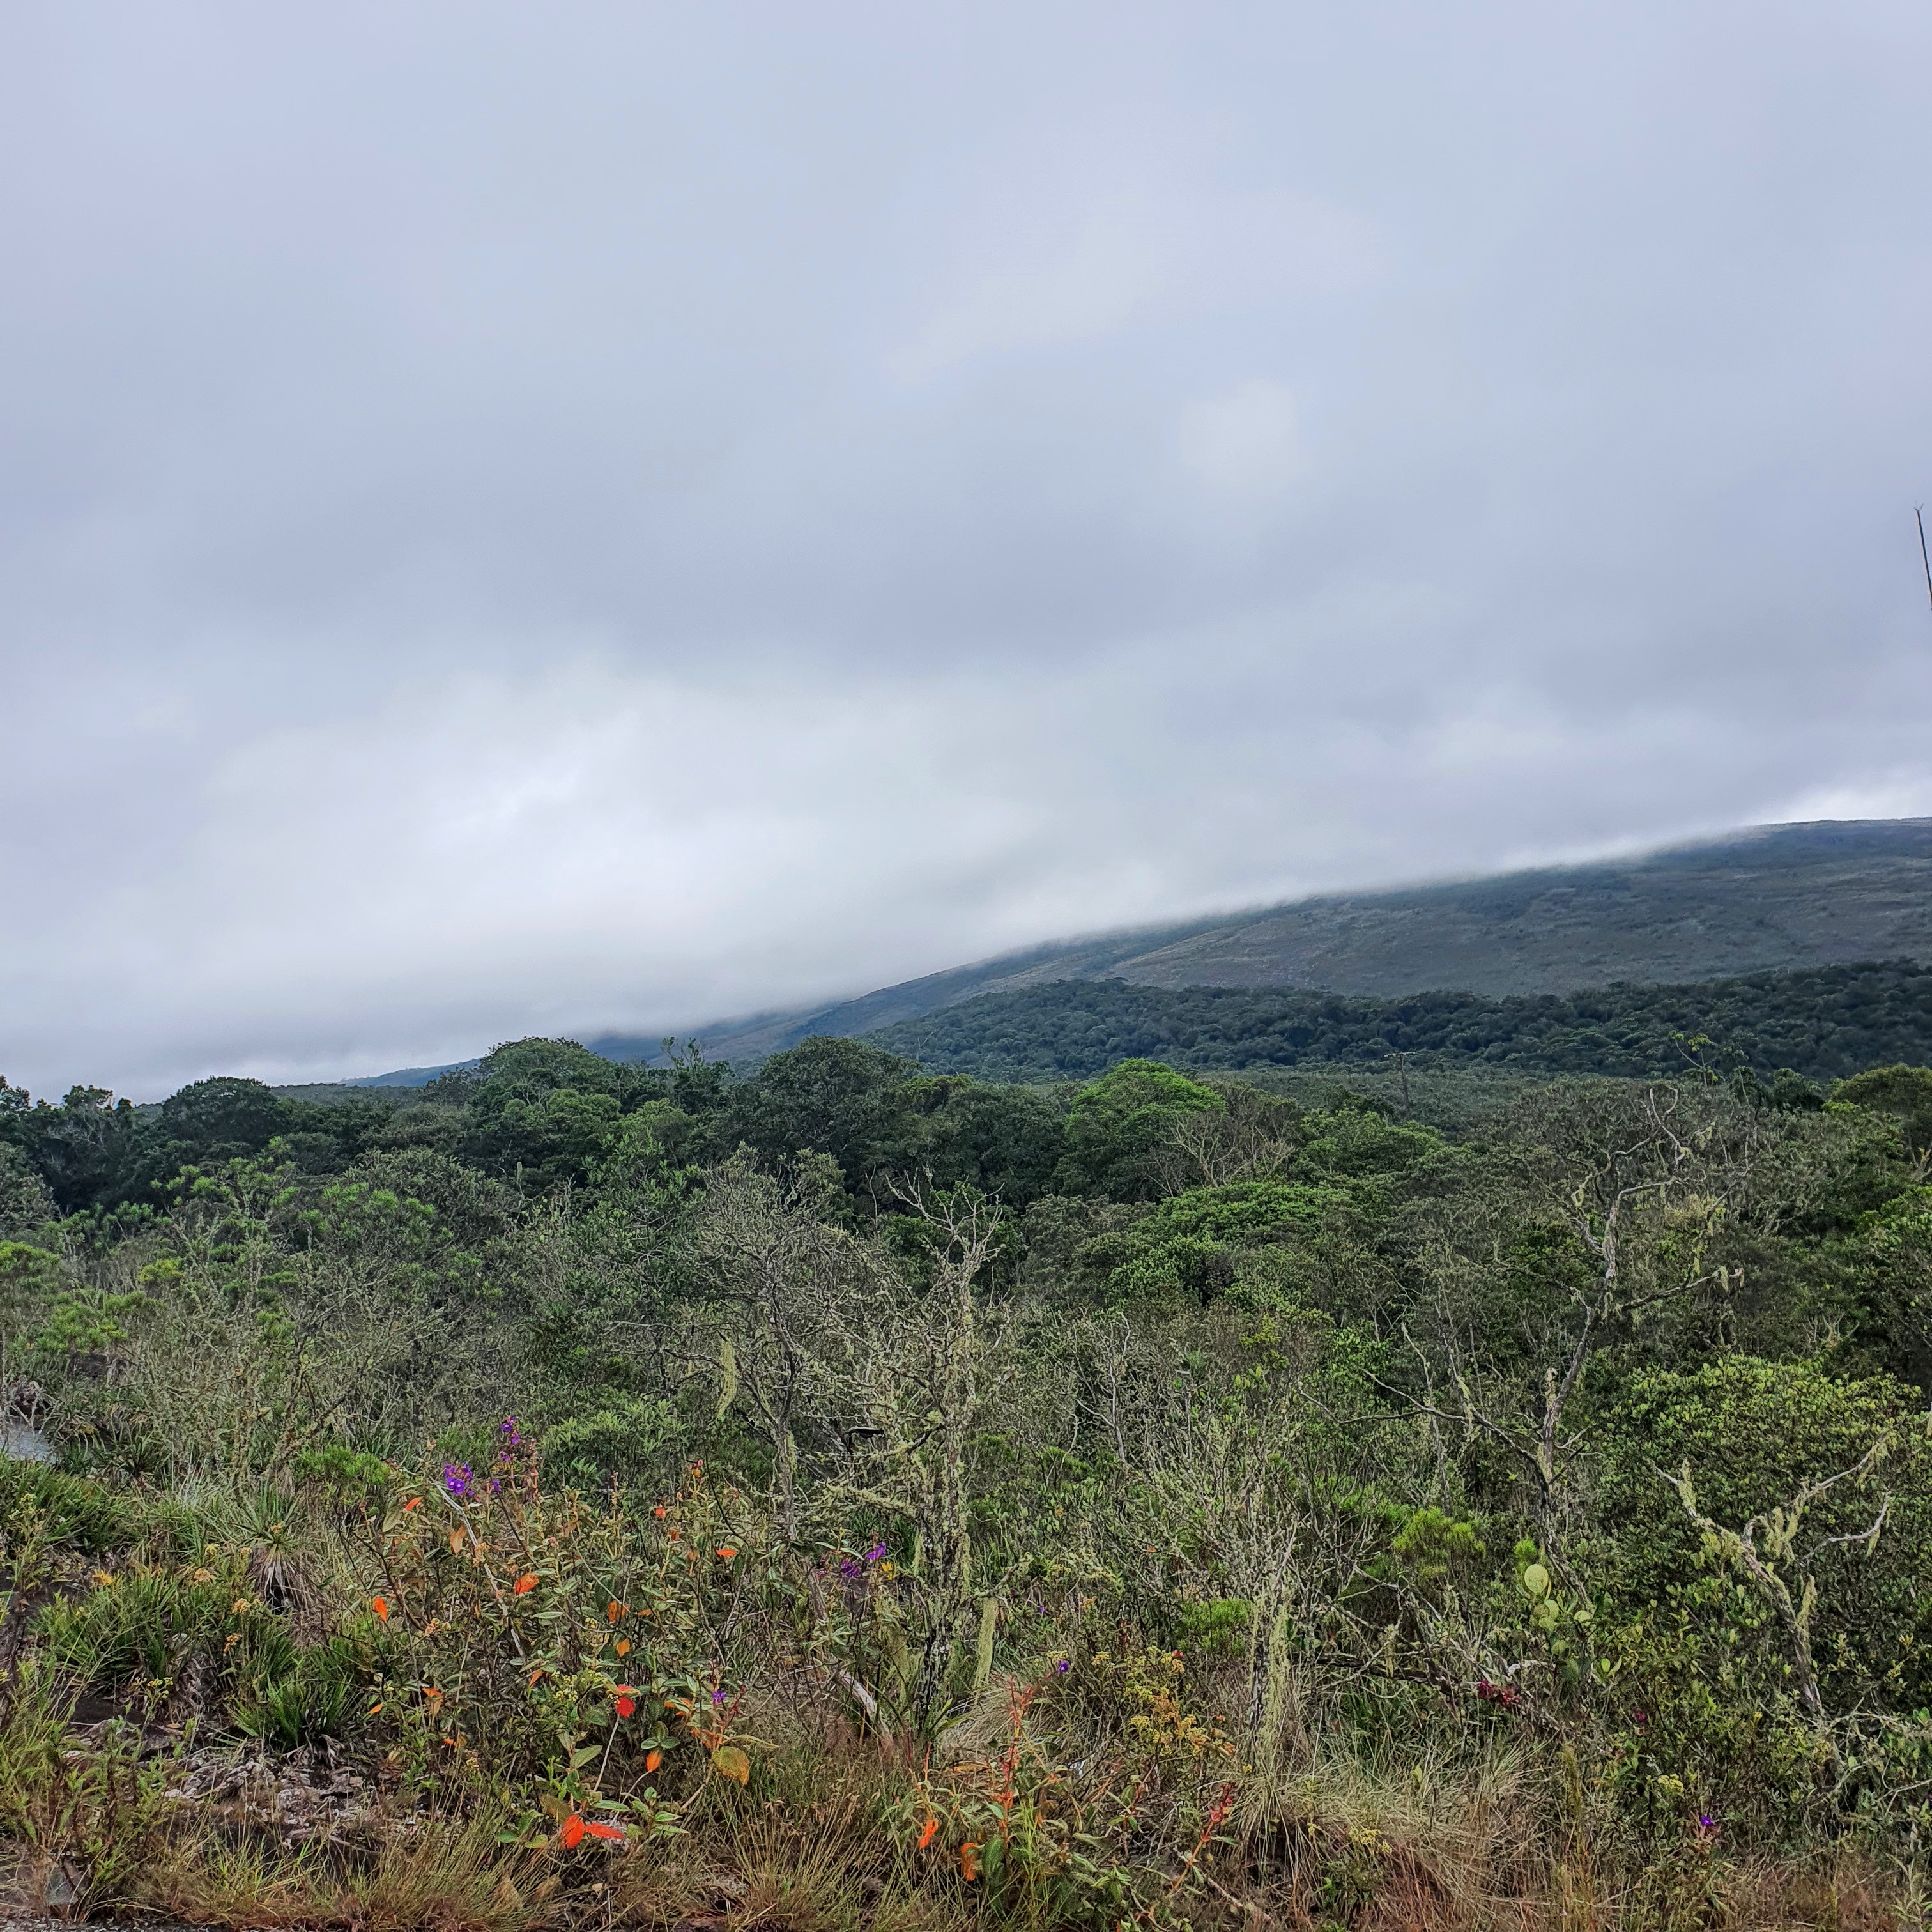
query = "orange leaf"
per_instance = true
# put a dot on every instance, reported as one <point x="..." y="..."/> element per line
<point x="380" y="1605"/>
<point x="598" y="1829"/>
<point x="652" y="1759"/>
<point x="572" y="1834"/>
<point x="534" y="1675"/>
<point x="623" y="1646"/>
<point x="969" y="1860"/>
<point x="525" y="1584"/>
<point x="412" y="1503"/>
<point x="727" y="1553"/>
<point x="613" y="1612"/>
<point x="925" y="1837"/>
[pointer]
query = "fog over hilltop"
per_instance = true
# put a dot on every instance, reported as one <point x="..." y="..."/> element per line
<point x="527" y="522"/>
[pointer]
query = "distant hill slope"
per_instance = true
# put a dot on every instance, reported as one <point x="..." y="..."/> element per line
<point x="1775" y="898"/>
<point x="1823" y="1022"/>
<point x="764" y="1033"/>
<point x="1781" y="897"/>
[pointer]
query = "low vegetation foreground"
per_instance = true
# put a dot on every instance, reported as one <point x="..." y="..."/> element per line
<point x="849" y="1497"/>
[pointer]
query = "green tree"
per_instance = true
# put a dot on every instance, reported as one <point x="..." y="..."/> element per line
<point x="1905" y="1093"/>
<point x="840" y="1097"/>
<point x="1119" y="1129"/>
<point x="26" y="1205"/>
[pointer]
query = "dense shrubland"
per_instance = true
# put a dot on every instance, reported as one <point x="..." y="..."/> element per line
<point x="847" y="1495"/>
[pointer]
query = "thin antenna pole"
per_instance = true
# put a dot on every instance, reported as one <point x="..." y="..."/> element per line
<point x="1919" y="511"/>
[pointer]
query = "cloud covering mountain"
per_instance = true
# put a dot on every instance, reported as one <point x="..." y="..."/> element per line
<point x="591" y="520"/>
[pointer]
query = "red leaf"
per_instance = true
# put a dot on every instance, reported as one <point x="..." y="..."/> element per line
<point x="598" y="1830"/>
<point x="625" y="1708"/>
<point x="572" y="1834"/>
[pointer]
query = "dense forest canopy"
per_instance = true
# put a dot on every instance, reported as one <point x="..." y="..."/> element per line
<point x="1822" y="1022"/>
<point x="1139" y="1497"/>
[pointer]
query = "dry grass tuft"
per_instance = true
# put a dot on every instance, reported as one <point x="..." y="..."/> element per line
<point x="815" y="1856"/>
<point x="1424" y="1843"/>
<point x="439" y="1877"/>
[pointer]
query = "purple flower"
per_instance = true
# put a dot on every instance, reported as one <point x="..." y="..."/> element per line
<point x="849" y="1566"/>
<point x="513" y="1436"/>
<point x="1060" y="1669"/>
<point x="878" y="1551"/>
<point x="457" y="1480"/>
<point x="717" y="1696"/>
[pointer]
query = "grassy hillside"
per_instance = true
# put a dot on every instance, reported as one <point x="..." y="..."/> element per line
<point x="1773" y="899"/>
<point x="1784" y="896"/>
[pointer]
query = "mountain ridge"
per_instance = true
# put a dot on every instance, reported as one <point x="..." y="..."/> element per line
<point x="1764" y="898"/>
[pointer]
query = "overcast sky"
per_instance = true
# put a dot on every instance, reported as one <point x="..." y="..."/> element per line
<point x="552" y="518"/>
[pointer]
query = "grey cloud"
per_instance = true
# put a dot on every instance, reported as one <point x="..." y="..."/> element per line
<point x="608" y="518"/>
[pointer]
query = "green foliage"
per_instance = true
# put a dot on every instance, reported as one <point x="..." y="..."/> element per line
<point x="1117" y="1128"/>
<point x="625" y="1437"/>
<point x="49" y="1507"/>
<point x="1825" y="1021"/>
<point x="1905" y="1093"/>
<point x="223" y="1118"/>
<point x="350" y="1476"/>
<point x="1192" y="1245"/>
<point x="1435" y="1546"/>
<point x="1753" y="1434"/>
<point x="82" y="1321"/>
<point x="1149" y="1496"/>
<point x="543" y="1109"/>
<point x="98" y="1813"/>
<point x="1006" y="1141"/>
<point x="30" y="1277"/>
<point x="81" y="1148"/>
<point x="26" y="1203"/>
<point x="1355" y="1142"/>
<point x="840" y="1097"/>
